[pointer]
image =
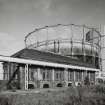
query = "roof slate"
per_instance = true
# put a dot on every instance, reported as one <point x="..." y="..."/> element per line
<point x="49" y="57"/>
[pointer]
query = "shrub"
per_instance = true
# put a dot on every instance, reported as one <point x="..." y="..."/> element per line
<point x="3" y="85"/>
<point x="81" y="95"/>
<point x="5" y="101"/>
<point x="86" y="81"/>
<point x="99" y="89"/>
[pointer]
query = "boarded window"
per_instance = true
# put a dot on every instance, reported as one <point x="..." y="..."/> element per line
<point x="46" y="74"/>
<point x="78" y="75"/>
<point x="71" y="75"/>
<point x="92" y="76"/>
<point x="59" y="75"/>
<point x="32" y="73"/>
<point x="46" y="86"/>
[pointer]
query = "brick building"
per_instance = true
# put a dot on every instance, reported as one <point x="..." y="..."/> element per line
<point x="37" y="69"/>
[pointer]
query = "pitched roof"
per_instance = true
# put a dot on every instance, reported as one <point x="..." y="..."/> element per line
<point x="49" y="57"/>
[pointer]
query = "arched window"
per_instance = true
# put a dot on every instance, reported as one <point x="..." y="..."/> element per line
<point x="59" y="85"/>
<point x="46" y="86"/>
<point x="31" y="86"/>
<point x="69" y="84"/>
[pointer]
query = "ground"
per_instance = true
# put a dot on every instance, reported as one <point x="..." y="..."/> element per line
<point x="55" y="96"/>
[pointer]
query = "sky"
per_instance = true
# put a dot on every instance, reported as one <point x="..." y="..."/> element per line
<point x="19" y="17"/>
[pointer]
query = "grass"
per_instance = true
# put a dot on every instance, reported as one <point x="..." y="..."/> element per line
<point x="64" y="96"/>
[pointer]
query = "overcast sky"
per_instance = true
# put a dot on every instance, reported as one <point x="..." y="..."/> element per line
<point x="19" y="17"/>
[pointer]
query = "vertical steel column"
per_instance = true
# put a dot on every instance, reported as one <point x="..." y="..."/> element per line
<point x="26" y="77"/>
<point x="93" y="54"/>
<point x="72" y="35"/>
<point x="100" y="52"/>
<point x="83" y="44"/>
<point x="26" y="41"/>
<point x="58" y="46"/>
<point x="71" y="48"/>
<point x="54" y="46"/>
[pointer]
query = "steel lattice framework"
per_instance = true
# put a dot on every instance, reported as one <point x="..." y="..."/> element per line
<point x="79" y="41"/>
